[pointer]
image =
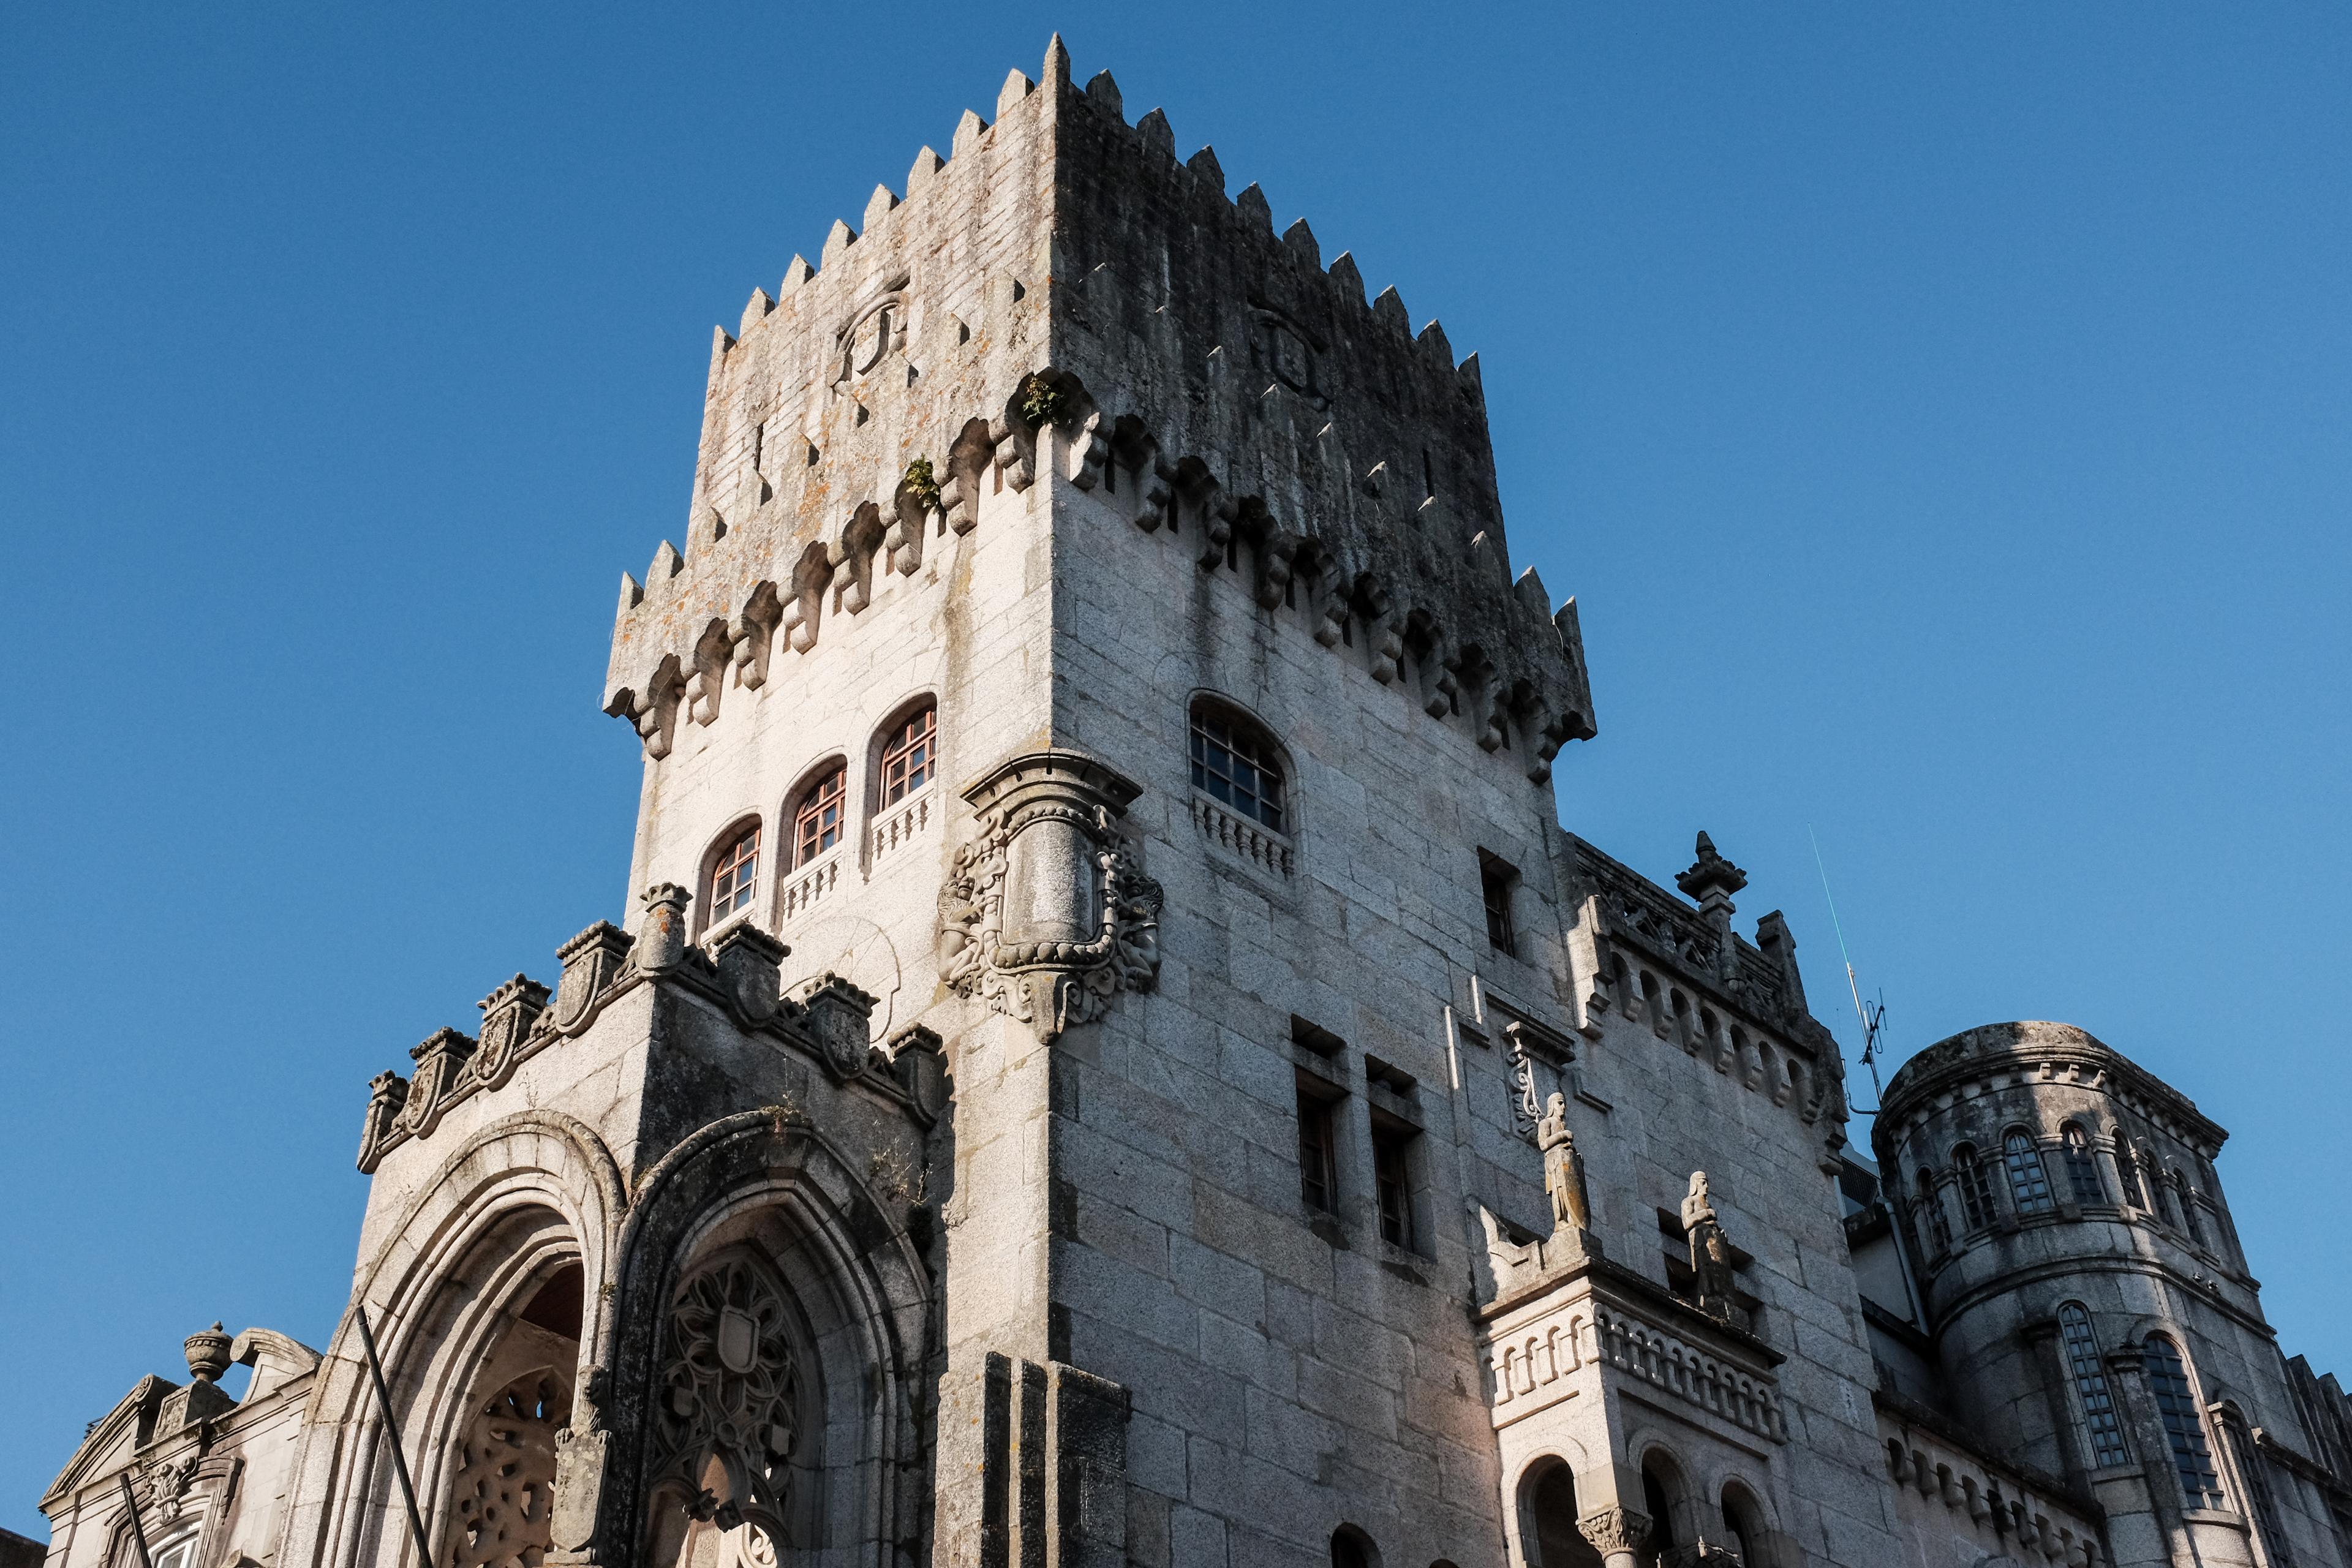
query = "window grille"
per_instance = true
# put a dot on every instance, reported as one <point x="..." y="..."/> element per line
<point x="1232" y="763"/>
<point x="735" y="875"/>
<point x="2029" y="1183"/>
<point x="2184" y="1423"/>
<point x="1976" y="1187"/>
<point x="2101" y="1423"/>
<point x="2081" y="1166"/>
<point x="816" y="824"/>
<point x="911" y="756"/>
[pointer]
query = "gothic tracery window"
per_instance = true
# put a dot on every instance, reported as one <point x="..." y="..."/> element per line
<point x="1235" y="763"/>
<point x="817" y="815"/>
<point x="910" y="755"/>
<point x="2029" y="1183"/>
<point x="2101" y="1424"/>
<point x="505" y="1477"/>
<point x="2184" y="1423"/>
<point x="2081" y="1165"/>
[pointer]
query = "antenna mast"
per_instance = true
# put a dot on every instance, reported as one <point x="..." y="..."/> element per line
<point x="1873" y="1017"/>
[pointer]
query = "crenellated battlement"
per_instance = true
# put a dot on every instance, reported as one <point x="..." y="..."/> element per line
<point x="1062" y="295"/>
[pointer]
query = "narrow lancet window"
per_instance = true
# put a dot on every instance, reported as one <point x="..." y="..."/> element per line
<point x="2101" y="1424"/>
<point x="1976" y="1187"/>
<point x="2029" y="1183"/>
<point x="2184" y="1423"/>
<point x="2081" y="1165"/>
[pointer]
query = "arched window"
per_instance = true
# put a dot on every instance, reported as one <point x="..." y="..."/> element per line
<point x="2101" y="1426"/>
<point x="1547" y="1513"/>
<point x="817" y="815"/>
<point x="1661" y="1489"/>
<point x="1351" y="1548"/>
<point x="2162" y="1183"/>
<point x="1235" y="763"/>
<point x="2184" y="1423"/>
<point x="2081" y="1166"/>
<point x="910" y="755"/>
<point x="2254" y="1479"/>
<point x="1745" y="1520"/>
<point x="734" y="873"/>
<point x="2189" y="1207"/>
<point x="2029" y="1183"/>
<point x="2127" y="1171"/>
<point x="1931" y="1212"/>
<point x="1976" y="1187"/>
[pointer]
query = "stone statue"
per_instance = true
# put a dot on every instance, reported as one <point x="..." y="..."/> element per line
<point x="1710" y="1253"/>
<point x="1572" y="1205"/>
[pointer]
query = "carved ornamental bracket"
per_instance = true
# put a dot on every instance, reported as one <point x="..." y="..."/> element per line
<point x="1046" y="915"/>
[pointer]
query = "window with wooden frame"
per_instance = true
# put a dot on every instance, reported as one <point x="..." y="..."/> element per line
<point x="1496" y="879"/>
<point x="2029" y="1182"/>
<point x="1976" y="1187"/>
<point x="1235" y="763"/>
<point x="817" y="815"/>
<point x="1318" y="1164"/>
<point x="910" y="755"/>
<point x="2081" y="1165"/>
<point x="1392" y="1178"/>
<point x="734" y="873"/>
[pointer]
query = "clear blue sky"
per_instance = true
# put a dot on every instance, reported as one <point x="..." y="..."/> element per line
<point x="1938" y="413"/>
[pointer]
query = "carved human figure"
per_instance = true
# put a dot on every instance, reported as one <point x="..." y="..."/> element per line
<point x="1710" y="1253"/>
<point x="1572" y="1205"/>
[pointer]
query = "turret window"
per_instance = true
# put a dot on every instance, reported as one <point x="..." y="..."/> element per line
<point x="2081" y="1166"/>
<point x="1976" y="1187"/>
<point x="2184" y="1423"/>
<point x="2189" y="1207"/>
<point x="2127" y="1172"/>
<point x="735" y="873"/>
<point x="817" y="819"/>
<point x="2029" y="1183"/>
<point x="1233" y="764"/>
<point x="1931" y="1208"/>
<point x="910" y="755"/>
<point x="2101" y="1424"/>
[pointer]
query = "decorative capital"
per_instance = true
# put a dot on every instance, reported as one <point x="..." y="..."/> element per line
<point x="1612" y="1530"/>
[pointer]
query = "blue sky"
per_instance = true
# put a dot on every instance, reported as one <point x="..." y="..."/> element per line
<point x="1938" y="413"/>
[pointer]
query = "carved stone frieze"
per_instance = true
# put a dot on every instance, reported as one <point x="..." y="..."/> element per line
<point x="1046" y="915"/>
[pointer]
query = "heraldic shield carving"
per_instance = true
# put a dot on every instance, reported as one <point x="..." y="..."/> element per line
<point x="1047" y="916"/>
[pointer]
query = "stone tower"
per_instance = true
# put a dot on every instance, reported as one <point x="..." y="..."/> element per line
<point x="1110" y="1057"/>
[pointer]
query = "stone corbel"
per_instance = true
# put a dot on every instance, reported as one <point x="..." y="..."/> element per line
<point x="1387" y="652"/>
<point x="1218" y="513"/>
<point x="810" y="577"/>
<point x="1447" y="687"/>
<point x="653" y="710"/>
<point x="1089" y="453"/>
<point x="508" y="1015"/>
<point x="1331" y="625"/>
<point x="754" y="633"/>
<point x="902" y="545"/>
<point x="1017" y="452"/>
<point x="1274" y="556"/>
<point x="1046" y="915"/>
<point x="714" y="652"/>
<point x="1158" y="483"/>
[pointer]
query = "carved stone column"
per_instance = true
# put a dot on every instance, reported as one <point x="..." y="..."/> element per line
<point x="1046" y="915"/>
<point x="1617" y="1533"/>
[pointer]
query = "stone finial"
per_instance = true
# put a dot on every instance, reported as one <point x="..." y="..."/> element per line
<point x="1711" y="876"/>
<point x="1104" y="91"/>
<point x="661" y="939"/>
<point x="1055" y="72"/>
<point x="207" y="1353"/>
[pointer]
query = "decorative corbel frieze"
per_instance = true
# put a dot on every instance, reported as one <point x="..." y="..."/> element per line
<point x="1218" y="514"/>
<point x="508" y="1015"/>
<point x="748" y="960"/>
<point x="754" y="633"/>
<point x="1047" y="914"/>
<point x="387" y="1094"/>
<point x="918" y="1060"/>
<point x="1089" y="452"/>
<point x="1274" y="556"/>
<point x="840" y="1018"/>
<point x="592" y="962"/>
<point x="440" y="1059"/>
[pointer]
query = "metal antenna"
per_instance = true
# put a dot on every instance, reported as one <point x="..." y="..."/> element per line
<point x="1873" y="1017"/>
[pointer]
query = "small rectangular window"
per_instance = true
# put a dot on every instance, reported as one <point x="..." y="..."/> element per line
<point x="1318" y="1177"/>
<point x="1392" y="1179"/>
<point x="1496" y="881"/>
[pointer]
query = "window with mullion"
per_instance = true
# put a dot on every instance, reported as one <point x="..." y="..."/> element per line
<point x="2029" y="1183"/>
<point x="1235" y="768"/>
<point x="816" y="824"/>
<point x="2184" y="1423"/>
<point x="736" y="873"/>
<point x="910" y="757"/>
<point x="2101" y="1423"/>
<point x="2082" y="1167"/>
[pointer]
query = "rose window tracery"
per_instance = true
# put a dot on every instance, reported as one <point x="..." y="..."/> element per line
<point x="506" y="1476"/>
